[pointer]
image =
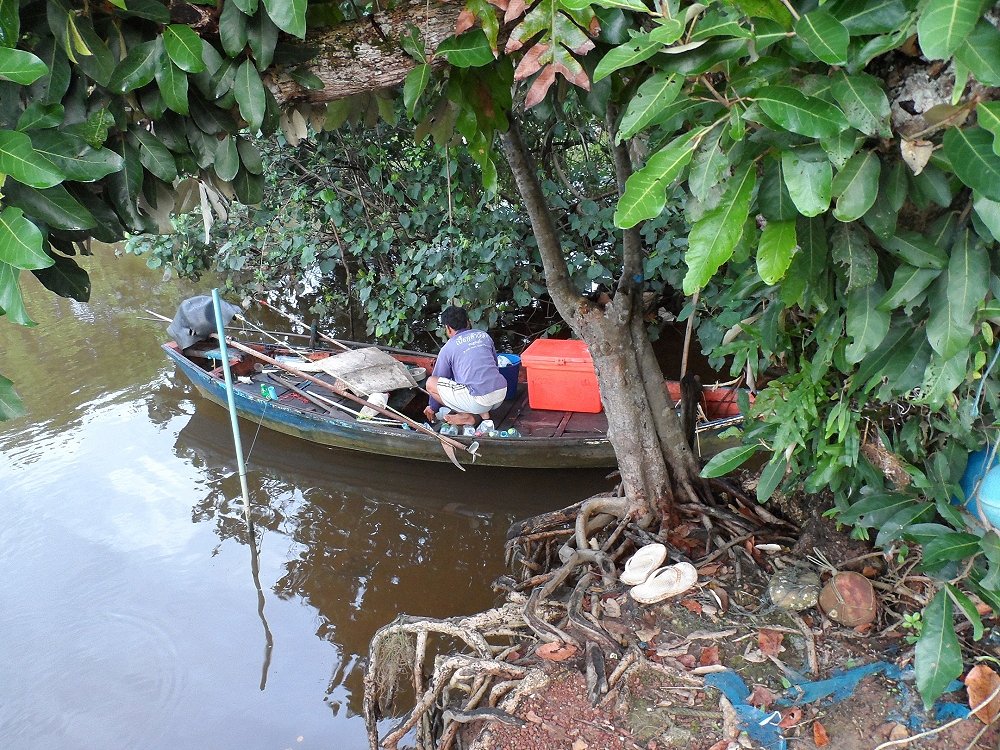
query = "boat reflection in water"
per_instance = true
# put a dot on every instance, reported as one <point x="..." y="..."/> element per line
<point x="366" y="537"/>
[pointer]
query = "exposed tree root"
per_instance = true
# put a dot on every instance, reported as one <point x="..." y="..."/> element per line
<point x="561" y="563"/>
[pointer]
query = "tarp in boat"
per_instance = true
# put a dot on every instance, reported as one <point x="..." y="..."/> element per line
<point x="195" y="320"/>
<point x="365" y="371"/>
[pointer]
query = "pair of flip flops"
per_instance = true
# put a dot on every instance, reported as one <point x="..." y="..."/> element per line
<point x="652" y="583"/>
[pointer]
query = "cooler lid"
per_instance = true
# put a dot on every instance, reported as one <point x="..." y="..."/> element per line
<point x="547" y="351"/>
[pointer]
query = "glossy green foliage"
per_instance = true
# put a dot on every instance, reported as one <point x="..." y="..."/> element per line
<point x="91" y="142"/>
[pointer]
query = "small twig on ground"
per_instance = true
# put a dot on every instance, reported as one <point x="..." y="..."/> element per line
<point x="810" y="642"/>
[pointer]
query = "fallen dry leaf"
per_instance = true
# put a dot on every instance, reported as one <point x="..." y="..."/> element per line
<point x="916" y="154"/>
<point x="769" y="642"/>
<point x="646" y="635"/>
<point x="611" y="608"/>
<point x="533" y="717"/>
<point x="556" y="651"/>
<point x="709" y="656"/>
<point x="709" y="570"/>
<point x="981" y="682"/>
<point x="691" y="606"/>
<point x="820" y="737"/>
<point x="580" y="745"/>
<point x="687" y="660"/>
<point x="761" y="697"/>
<point x="790" y="718"/>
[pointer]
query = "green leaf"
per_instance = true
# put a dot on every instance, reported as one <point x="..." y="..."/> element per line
<point x="772" y="199"/>
<point x="938" y="655"/>
<point x="39" y="116"/>
<point x="10" y="26"/>
<point x="956" y="295"/>
<point x="970" y="151"/>
<point x="867" y="325"/>
<point x="288" y="15"/>
<point x="989" y="213"/>
<point x="249" y="91"/>
<point x="869" y="17"/>
<point x="309" y="80"/>
<point x="980" y="53"/>
<point x="988" y="115"/>
<point x="233" y="29"/>
<point x="250" y="156"/>
<point x="726" y="461"/>
<point x="153" y="155"/>
<point x="469" y="50"/>
<point x="852" y="251"/>
<point x="11" y="301"/>
<point x="875" y="509"/>
<point x="10" y="405"/>
<point x="713" y="237"/>
<point x="950" y="547"/>
<point x="414" y="86"/>
<point x="908" y="284"/>
<point x="770" y="478"/>
<point x="249" y="187"/>
<point x="19" y="160"/>
<point x="184" y="47"/>
<point x="173" y="85"/>
<point x="66" y="279"/>
<point x="864" y="103"/>
<point x="20" y="67"/>
<point x="856" y="186"/>
<point x="916" y="250"/>
<point x="944" y="24"/>
<point x="74" y="157"/>
<point x="125" y="186"/>
<point x="227" y="159"/>
<point x="138" y="68"/>
<point x="625" y="55"/>
<point x="651" y="98"/>
<point x="262" y="35"/>
<point x="247" y="6"/>
<point x="968" y="609"/>
<point x="149" y="9"/>
<point x="55" y="206"/>
<point x="21" y="241"/>
<point x="645" y="189"/>
<point x="708" y="167"/>
<point x="809" y="183"/>
<point x="824" y="35"/>
<point x="774" y="253"/>
<point x="805" y="115"/>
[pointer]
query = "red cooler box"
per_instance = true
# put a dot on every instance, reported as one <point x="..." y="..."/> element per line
<point x="561" y="376"/>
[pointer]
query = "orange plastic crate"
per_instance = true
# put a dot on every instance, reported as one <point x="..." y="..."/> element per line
<point x="561" y="376"/>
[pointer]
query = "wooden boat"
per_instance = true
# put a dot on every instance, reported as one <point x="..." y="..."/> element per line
<point x="273" y="398"/>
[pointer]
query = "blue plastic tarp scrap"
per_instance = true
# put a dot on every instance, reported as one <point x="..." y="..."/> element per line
<point x="762" y="726"/>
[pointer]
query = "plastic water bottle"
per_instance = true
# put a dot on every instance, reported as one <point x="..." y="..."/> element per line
<point x="442" y="413"/>
<point x="468" y="430"/>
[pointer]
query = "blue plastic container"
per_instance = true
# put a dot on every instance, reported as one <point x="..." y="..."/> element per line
<point x="975" y="470"/>
<point x="989" y="497"/>
<point x="510" y="372"/>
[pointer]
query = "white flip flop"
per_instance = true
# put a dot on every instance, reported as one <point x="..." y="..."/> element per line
<point x="642" y="563"/>
<point x="665" y="582"/>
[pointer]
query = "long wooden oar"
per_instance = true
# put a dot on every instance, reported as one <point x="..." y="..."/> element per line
<point x="447" y="444"/>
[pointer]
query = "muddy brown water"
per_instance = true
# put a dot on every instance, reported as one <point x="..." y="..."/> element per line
<point x="130" y="615"/>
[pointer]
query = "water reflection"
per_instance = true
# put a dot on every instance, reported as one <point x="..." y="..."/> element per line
<point x="368" y="537"/>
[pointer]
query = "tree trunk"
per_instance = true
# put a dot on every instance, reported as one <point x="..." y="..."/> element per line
<point x="363" y="56"/>
<point x="653" y="457"/>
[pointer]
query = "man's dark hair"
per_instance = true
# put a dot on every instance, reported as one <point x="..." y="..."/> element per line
<point x="455" y="317"/>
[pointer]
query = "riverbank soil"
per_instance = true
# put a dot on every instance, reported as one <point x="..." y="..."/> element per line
<point x="763" y="648"/>
<point x="661" y="693"/>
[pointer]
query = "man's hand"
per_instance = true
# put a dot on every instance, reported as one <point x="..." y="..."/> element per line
<point x="429" y="414"/>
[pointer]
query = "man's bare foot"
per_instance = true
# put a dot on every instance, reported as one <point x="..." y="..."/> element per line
<point x="460" y="418"/>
